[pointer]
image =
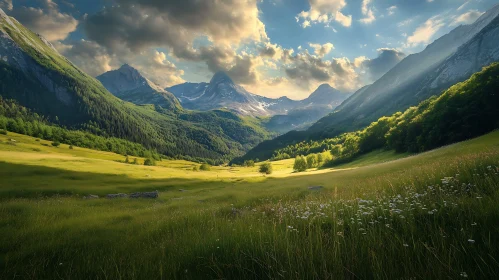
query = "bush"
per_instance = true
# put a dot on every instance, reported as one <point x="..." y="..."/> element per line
<point x="135" y="161"/>
<point x="205" y="167"/>
<point x="311" y="161"/>
<point x="266" y="168"/>
<point x="127" y="159"/>
<point x="195" y="168"/>
<point x="300" y="164"/>
<point x="150" y="162"/>
<point x="249" y="163"/>
<point x="71" y="147"/>
<point x="56" y="144"/>
<point x="3" y="132"/>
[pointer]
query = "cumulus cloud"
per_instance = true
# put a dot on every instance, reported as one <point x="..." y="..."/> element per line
<point x="466" y="18"/>
<point x="307" y="71"/>
<point x="136" y="26"/>
<point x="425" y="32"/>
<point x="48" y="20"/>
<point x="367" y="11"/>
<point x="322" y="50"/>
<point x="374" y="69"/>
<point x="324" y="11"/>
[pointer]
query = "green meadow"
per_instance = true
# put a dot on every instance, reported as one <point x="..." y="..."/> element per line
<point x="384" y="216"/>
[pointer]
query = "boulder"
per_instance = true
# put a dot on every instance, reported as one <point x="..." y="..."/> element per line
<point x="145" y="195"/>
<point x="91" y="196"/>
<point x="315" y="188"/>
<point x="116" y="195"/>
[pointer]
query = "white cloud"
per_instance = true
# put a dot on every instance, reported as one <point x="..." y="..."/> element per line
<point x="47" y="20"/>
<point x="467" y="18"/>
<point x="367" y="11"/>
<point x="425" y="32"/>
<point x="391" y="10"/>
<point x="324" y="11"/>
<point x="322" y="50"/>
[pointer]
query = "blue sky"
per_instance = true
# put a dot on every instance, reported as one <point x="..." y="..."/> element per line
<point x="271" y="47"/>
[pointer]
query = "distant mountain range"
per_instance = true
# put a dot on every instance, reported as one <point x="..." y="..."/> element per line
<point x="451" y="59"/>
<point x="222" y="92"/>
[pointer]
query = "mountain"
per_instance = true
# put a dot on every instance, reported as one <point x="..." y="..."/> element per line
<point x="37" y="77"/>
<point x="128" y="84"/>
<point x="307" y="111"/>
<point x="419" y="76"/>
<point x="451" y="59"/>
<point x="284" y="114"/>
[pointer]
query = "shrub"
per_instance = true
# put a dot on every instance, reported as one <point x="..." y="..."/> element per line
<point x="205" y="167"/>
<point x="135" y="161"/>
<point x="3" y="132"/>
<point x="71" y="147"/>
<point x="300" y="164"/>
<point x="150" y="162"/>
<point x="56" y="144"/>
<point x="195" y="168"/>
<point x="311" y="161"/>
<point x="266" y="168"/>
<point x="249" y="163"/>
<point x="127" y="159"/>
<point x="36" y="150"/>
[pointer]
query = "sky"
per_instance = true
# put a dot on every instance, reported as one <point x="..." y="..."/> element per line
<point x="271" y="47"/>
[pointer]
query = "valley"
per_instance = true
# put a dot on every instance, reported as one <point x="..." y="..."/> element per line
<point x="249" y="139"/>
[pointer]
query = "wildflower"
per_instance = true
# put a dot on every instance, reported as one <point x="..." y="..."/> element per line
<point x="406" y="245"/>
<point x="473" y="224"/>
<point x="463" y="274"/>
<point x="471" y="241"/>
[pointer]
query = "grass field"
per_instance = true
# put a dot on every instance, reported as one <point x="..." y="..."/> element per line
<point x="428" y="216"/>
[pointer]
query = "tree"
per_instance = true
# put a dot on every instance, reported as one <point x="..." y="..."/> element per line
<point x="205" y="167"/>
<point x="266" y="168"/>
<point x="150" y="162"/>
<point x="320" y="159"/>
<point x="311" y="161"/>
<point x="249" y="163"/>
<point x="300" y="164"/>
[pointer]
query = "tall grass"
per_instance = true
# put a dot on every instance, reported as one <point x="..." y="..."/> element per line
<point x="432" y="216"/>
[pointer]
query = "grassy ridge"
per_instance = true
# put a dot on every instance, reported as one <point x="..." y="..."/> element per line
<point x="394" y="220"/>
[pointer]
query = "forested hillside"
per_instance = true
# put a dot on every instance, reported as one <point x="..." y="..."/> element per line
<point x="35" y="75"/>
<point x="464" y="111"/>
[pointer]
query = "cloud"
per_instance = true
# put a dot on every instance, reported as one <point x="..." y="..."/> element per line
<point x="425" y="32"/>
<point x="322" y="50"/>
<point x="87" y="55"/>
<point x="140" y="24"/>
<point x="391" y="10"/>
<point x="6" y="5"/>
<point x="307" y="71"/>
<point x="324" y="11"/>
<point x="47" y="21"/>
<point x="467" y="18"/>
<point x="367" y="11"/>
<point x="377" y="67"/>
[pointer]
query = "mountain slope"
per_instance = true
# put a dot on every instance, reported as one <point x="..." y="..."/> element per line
<point x="128" y="84"/>
<point x="450" y="59"/>
<point x="307" y="111"/>
<point x="465" y="110"/>
<point x="39" y="78"/>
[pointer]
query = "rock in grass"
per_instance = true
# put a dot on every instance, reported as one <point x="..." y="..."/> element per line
<point x="91" y="196"/>
<point x="116" y="195"/>
<point x="145" y="195"/>
<point x="315" y="188"/>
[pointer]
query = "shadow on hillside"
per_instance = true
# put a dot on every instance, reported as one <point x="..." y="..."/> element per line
<point x="26" y="181"/>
